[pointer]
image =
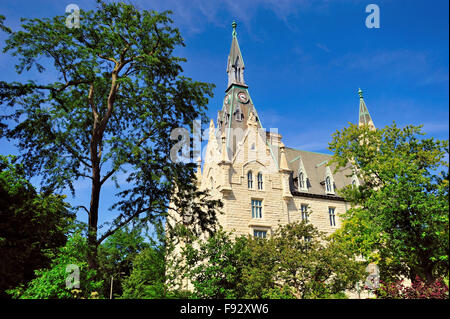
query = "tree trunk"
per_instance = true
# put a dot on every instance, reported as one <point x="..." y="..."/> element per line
<point x="93" y="220"/>
<point x="95" y="199"/>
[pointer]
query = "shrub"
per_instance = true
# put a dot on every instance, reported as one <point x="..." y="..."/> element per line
<point x="419" y="289"/>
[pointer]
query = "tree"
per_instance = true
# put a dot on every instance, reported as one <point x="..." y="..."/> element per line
<point x="116" y="255"/>
<point x="118" y="94"/>
<point x="311" y="265"/>
<point x="214" y="266"/>
<point x="297" y="261"/>
<point x="399" y="217"/>
<point x="52" y="282"/>
<point x="32" y="225"/>
<point x="147" y="277"/>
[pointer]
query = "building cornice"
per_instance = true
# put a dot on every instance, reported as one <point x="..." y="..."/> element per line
<point x="328" y="197"/>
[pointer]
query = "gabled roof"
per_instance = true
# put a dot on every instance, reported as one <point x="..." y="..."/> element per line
<point x="315" y="167"/>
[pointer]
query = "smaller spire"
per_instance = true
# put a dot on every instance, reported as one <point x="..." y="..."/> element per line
<point x="283" y="161"/>
<point x="364" y="115"/>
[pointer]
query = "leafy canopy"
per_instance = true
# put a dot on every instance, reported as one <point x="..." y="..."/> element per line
<point x="399" y="217"/>
<point x="32" y="225"/>
<point x="109" y="96"/>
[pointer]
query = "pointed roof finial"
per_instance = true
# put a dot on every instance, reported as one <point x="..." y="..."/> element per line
<point x="234" y="25"/>
<point x="360" y="93"/>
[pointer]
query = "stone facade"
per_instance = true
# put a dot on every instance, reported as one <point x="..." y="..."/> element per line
<point x="249" y="168"/>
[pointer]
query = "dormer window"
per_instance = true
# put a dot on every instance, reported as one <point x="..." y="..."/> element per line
<point x="302" y="182"/>
<point x="329" y="182"/>
<point x="302" y="177"/>
<point x="355" y="181"/>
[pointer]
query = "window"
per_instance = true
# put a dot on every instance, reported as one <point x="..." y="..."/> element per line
<point x="355" y="181"/>
<point x="260" y="181"/>
<point x="238" y="114"/>
<point x="212" y="183"/>
<point x="260" y="233"/>
<point x="256" y="208"/>
<point x="304" y="209"/>
<point x="301" y="180"/>
<point x="329" y="185"/>
<point x="250" y="179"/>
<point x="332" y="216"/>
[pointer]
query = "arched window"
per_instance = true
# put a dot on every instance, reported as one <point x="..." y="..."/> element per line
<point x="355" y="181"/>
<point x="250" y="179"/>
<point x="260" y="181"/>
<point x="328" y="185"/>
<point x="212" y="183"/>
<point x="301" y="181"/>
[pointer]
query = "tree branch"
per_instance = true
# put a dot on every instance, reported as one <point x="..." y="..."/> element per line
<point x="120" y="225"/>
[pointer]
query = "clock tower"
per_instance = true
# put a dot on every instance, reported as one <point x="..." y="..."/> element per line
<point x="237" y="105"/>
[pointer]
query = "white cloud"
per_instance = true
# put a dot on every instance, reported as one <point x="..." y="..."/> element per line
<point x="190" y="14"/>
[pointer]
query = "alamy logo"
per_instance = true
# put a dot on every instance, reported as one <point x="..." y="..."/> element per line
<point x="73" y="279"/>
<point x="373" y="279"/>
<point x="373" y="19"/>
<point x="73" y="19"/>
<point x="188" y="149"/>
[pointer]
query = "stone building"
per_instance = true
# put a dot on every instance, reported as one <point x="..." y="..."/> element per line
<point x="262" y="182"/>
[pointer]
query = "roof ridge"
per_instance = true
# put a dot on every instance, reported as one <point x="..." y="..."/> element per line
<point x="296" y="149"/>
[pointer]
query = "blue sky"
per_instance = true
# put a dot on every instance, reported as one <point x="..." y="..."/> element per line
<point x="305" y="61"/>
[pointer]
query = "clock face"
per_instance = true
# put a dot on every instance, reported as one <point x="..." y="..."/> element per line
<point x="242" y="97"/>
<point x="227" y="99"/>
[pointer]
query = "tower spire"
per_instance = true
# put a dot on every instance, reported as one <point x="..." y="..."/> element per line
<point x="235" y="66"/>
<point x="364" y="115"/>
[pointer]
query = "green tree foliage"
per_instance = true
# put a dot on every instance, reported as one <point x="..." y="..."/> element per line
<point x="214" y="266"/>
<point x="154" y="272"/>
<point x="147" y="277"/>
<point x="51" y="282"/>
<point x="2" y="24"/>
<point x="117" y="94"/>
<point x="399" y="217"/>
<point x="297" y="261"/>
<point x="32" y="225"/>
<point x="116" y="255"/>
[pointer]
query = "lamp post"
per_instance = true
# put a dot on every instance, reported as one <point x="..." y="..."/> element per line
<point x="112" y="281"/>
